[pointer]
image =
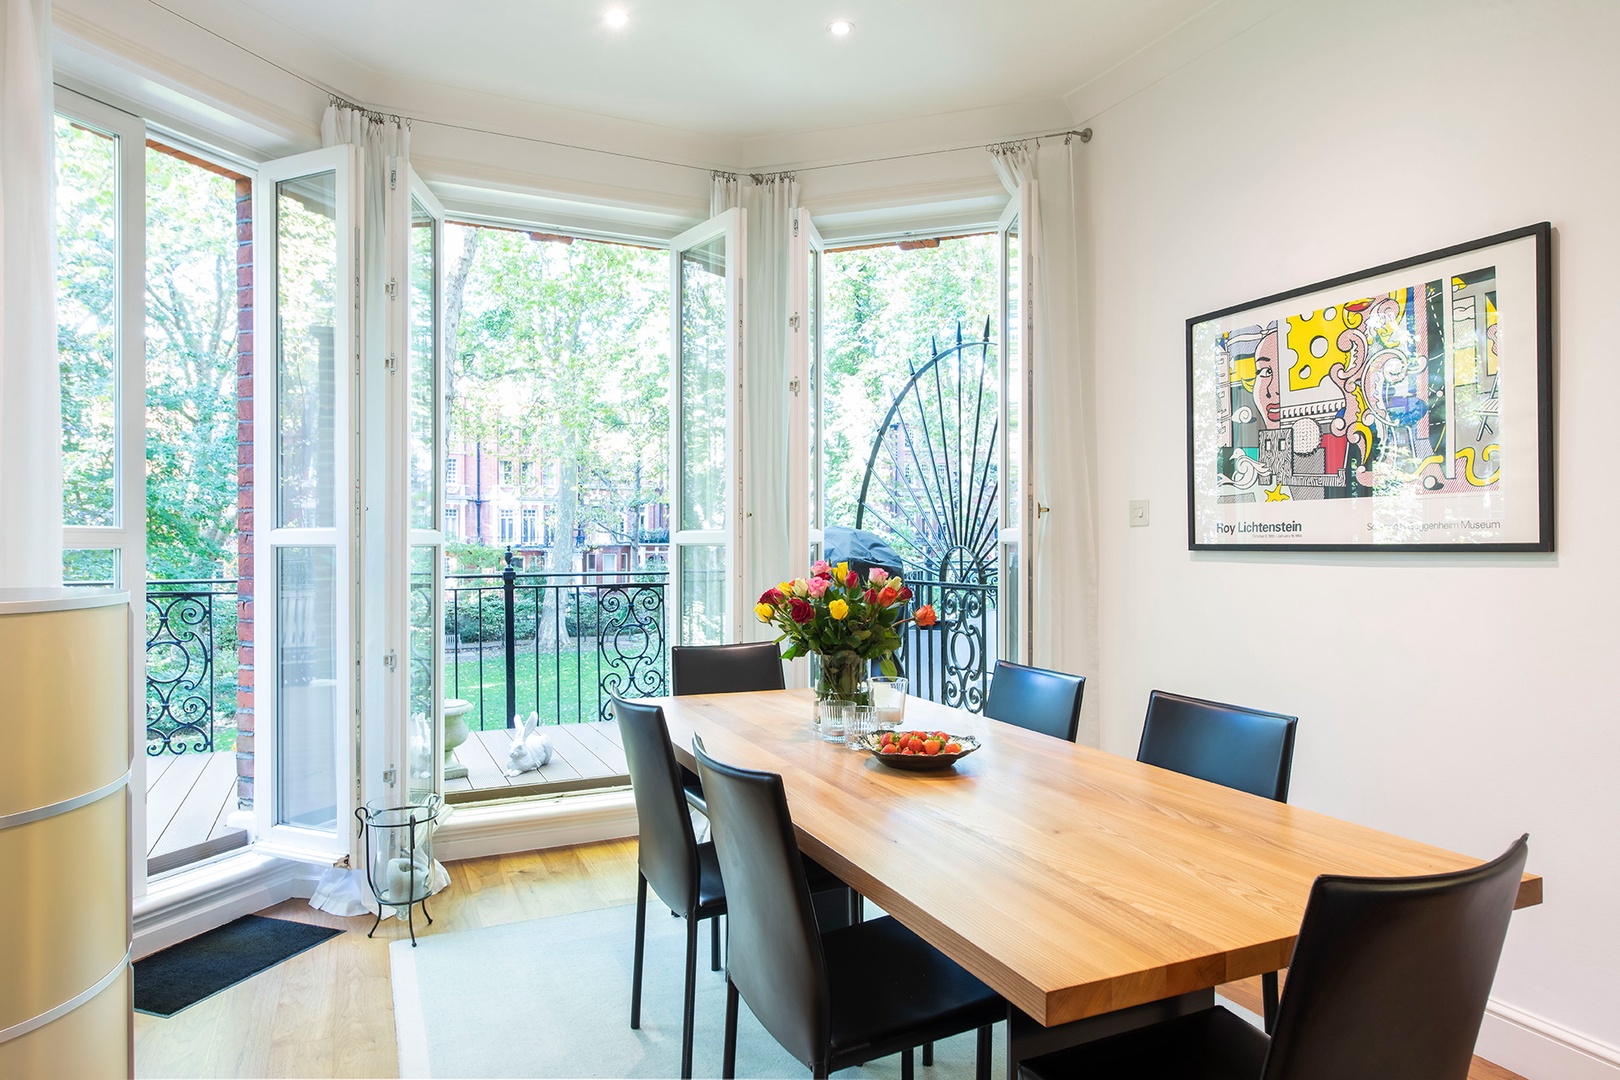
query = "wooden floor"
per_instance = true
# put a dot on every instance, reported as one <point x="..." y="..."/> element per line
<point x="582" y="755"/>
<point x="188" y="797"/>
<point x="329" y="1012"/>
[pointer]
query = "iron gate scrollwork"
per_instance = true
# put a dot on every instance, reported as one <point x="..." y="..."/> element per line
<point x="932" y="490"/>
<point x="180" y="664"/>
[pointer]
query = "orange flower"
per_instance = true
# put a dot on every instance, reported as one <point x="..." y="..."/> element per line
<point x="926" y="616"/>
<point x="889" y="595"/>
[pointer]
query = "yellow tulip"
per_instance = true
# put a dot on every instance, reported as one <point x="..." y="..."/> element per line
<point x="838" y="609"/>
<point x="764" y="611"/>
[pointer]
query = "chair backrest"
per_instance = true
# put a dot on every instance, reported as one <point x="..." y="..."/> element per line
<point x="1239" y="748"/>
<point x="1035" y="698"/>
<point x="774" y="956"/>
<point x="725" y="669"/>
<point x="1390" y="975"/>
<point x="667" y="846"/>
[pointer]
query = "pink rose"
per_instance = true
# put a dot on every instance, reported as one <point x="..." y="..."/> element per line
<point x="818" y="587"/>
<point x="821" y="568"/>
<point x="800" y="611"/>
<point x="878" y="575"/>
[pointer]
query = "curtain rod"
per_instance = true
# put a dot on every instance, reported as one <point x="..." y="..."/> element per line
<point x="1084" y="134"/>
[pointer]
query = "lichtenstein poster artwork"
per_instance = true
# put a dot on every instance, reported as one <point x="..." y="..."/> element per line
<point x="1406" y="407"/>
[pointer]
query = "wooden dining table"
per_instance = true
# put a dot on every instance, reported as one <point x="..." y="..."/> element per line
<point x="1093" y="892"/>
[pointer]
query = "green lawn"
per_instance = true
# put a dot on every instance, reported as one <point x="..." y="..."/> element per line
<point x="566" y="686"/>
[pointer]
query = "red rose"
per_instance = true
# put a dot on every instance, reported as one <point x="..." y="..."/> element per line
<point x="800" y="611"/>
<point x="772" y="597"/>
<point x="870" y="596"/>
<point x="905" y="593"/>
<point x="925" y="616"/>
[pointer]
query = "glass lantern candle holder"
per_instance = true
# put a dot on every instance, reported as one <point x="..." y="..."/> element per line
<point x="399" y="855"/>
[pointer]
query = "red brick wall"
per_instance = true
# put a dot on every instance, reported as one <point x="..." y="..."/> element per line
<point x="244" y="488"/>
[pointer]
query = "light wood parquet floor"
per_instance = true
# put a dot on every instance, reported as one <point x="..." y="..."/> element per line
<point x="329" y="1012"/>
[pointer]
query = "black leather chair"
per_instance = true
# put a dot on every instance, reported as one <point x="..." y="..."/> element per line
<point x="722" y="669"/>
<point x="832" y="1000"/>
<point x="1229" y="745"/>
<point x="1389" y="979"/>
<point x="725" y="669"/>
<point x="1035" y="698"/>
<point x="684" y="873"/>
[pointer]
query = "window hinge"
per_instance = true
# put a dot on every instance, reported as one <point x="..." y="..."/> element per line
<point x="390" y="660"/>
<point x="393" y="289"/>
<point x="793" y="386"/>
<point x="388" y="776"/>
<point x="391" y="362"/>
<point x="795" y="223"/>
<point x="793" y="320"/>
<point x="393" y="177"/>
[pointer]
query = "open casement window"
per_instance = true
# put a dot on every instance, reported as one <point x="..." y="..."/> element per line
<point x="806" y="514"/>
<point x="706" y="268"/>
<point x="1015" y="570"/>
<point x="101" y="334"/>
<point x="306" y="502"/>
<point x="417" y="741"/>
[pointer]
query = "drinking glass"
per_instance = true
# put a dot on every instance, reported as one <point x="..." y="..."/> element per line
<point x="834" y="713"/>
<point x="889" y="699"/>
<point x="859" y="720"/>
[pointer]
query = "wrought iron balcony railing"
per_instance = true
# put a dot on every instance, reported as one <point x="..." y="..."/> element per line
<point x="190" y="666"/>
<point x="556" y="644"/>
<point x="951" y="661"/>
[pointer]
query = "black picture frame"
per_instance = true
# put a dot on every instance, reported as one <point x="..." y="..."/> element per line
<point x="1415" y="369"/>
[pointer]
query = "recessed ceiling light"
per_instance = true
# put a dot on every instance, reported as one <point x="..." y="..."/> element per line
<point x="841" y="28"/>
<point x="616" y="18"/>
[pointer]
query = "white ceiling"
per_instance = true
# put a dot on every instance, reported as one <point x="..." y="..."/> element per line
<point x="733" y="68"/>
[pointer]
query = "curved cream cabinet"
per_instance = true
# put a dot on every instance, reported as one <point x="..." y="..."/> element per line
<point x="65" y="751"/>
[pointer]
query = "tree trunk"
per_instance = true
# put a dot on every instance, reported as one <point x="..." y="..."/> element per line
<point x="455" y="287"/>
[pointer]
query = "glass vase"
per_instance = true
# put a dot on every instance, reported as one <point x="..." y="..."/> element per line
<point x="839" y="680"/>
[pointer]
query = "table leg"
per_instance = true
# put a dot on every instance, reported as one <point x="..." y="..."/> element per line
<point x="1026" y="1038"/>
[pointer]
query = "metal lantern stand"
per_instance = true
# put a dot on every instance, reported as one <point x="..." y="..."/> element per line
<point x="399" y="856"/>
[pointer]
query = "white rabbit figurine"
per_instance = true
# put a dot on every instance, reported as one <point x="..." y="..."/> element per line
<point x="530" y="749"/>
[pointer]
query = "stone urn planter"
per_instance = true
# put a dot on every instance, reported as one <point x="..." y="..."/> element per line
<point x="455" y="733"/>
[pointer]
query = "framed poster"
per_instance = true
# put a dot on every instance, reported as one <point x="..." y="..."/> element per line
<point x="1404" y="408"/>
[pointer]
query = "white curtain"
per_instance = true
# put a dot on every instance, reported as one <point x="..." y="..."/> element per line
<point x="30" y="391"/>
<point x="768" y="202"/>
<point x="384" y="260"/>
<point x="1063" y="543"/>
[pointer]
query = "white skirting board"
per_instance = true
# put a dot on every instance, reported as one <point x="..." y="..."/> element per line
<point x="1539" y="1049"/>
<point x="214" y="894"/>
<point x="474" y="832"/>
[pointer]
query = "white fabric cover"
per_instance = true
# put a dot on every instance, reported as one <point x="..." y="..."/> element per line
<point x="30" y="390"/>
<point x="768" y="202"/>
<point x="1065" y="539"/>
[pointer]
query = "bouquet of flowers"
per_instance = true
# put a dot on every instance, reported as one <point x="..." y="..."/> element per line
<point x="845" y="621"/>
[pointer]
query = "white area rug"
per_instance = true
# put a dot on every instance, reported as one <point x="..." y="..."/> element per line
<point x="551" y="998"/>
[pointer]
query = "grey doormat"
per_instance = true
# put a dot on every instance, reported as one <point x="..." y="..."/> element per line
<point x="184" y="974"/>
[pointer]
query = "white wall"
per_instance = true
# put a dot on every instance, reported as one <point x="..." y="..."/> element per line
<point x="1459" y="700"/>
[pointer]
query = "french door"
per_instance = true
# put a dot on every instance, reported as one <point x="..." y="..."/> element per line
<point x="101" y="330"/>
<point x="1016" y="531"/>
<point x="706" y="281"/>
<point x="806" y="509"/>
<point x="307" y="499"/>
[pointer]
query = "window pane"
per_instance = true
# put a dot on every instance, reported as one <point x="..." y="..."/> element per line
<point x="306" y="382"/>
<point x="90" y="567"/>
<point x="424" y="741"/>
<point x="424" y="378"/>
<point x="1013" y="601"/>
<point x="813" y="328"/>
<point x="306" y="698"/>
<point x="1015" y="375"/>
<point x="703" y="594"/>
<point x="86" y="320"/>
<point x="193" y="306"/>
<point x="703" y="330"/>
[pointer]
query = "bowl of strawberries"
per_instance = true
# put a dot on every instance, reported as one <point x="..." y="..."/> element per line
<point x="918" y="750"/>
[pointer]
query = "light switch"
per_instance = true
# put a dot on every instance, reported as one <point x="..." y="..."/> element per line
<point x="1139" y="512"/>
